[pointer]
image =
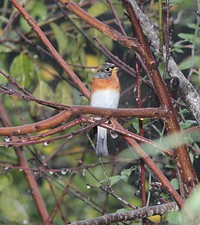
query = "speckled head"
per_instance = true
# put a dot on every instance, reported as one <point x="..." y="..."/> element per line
<point x="105" y="70"/>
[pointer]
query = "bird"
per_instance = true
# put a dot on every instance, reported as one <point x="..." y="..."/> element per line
<point x="105" y="93"/>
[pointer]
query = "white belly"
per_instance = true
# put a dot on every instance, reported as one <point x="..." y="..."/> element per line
<point x="105" y="99"/>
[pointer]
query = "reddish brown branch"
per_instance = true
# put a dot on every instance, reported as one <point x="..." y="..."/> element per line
<point x="28" y="173"/>
<point x="149" y="162"/>
<point x="182" y="159"/>
<point x="110" y="32"/>
<point x="50" y="47"/>
<point x="24" y="141"/>
<point x="139" y="105"/>
<point x="35" y="127"/>
<point x="181" y="156"/>
<point x="80" y="110"/>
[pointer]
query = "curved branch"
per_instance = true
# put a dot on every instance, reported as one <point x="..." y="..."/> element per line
<point x="35" y="127"/>
<point x="79" y="110"/>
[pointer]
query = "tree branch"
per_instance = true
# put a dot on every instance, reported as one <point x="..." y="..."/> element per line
<point x="81" y="110"/>
<point x="107" y="30"/>
<point x="181" y="156"/>
<point x="28" y="173"/>
<point x="185" y="89"/>
<point x="137" y="214"/>
<point x="50" y="47"/>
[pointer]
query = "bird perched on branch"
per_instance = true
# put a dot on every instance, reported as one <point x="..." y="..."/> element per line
<point x="105" y="94"/>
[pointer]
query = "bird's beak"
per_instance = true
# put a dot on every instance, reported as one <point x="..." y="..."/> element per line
<point x="116" y="69"/>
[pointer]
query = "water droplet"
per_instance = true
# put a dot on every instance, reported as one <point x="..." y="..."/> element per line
<point x="18" y="131"/>
<point x="20" y="170"/>
<point x="113" y="134"/>
<point x="83" y="172"/>
<point x="8" y="146"/>
<point x="35" y="56"/>
<point x="136" y="99"/>
<point x="6" y="168"/>
<point x="141" y="119"/>
<point x="88" y="186"/>
<point x="64" y="171"/>
<point x="25" y="221"/>
<point x="7" y="139"/>
<point x="46" y="143"/>
<point x="43" y="157"/>
<point x="70" y="136"/>
<point x="51" y="172"/>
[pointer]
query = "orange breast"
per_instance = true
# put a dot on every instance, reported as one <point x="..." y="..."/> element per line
<point x="110" y="83"/>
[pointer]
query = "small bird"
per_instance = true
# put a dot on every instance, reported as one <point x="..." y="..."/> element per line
<point x="105" y="94"/>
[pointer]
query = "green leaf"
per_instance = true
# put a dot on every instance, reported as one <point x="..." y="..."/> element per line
<point x="125" y="174"/>
<point x="37" y="10"/>
<point x="175" y="183"/>
<point x="174" y="218"/>
<point x="189" y="37"/>
<point x="43" y="91"/>
<point x="192" y="205"/>
<point x="190" y="62"/>
<point x="193" y="26"/>
<point x="114" y="179"/>
<point x="135" y="124"/>
<point x="64" y="93"/>
<point x="11" y="206"/>
<point x="5" y="48"/>
<point x="97" y="9"/>
<point x="23" y="71"/>
<point x="61" y="38"/>
<point x="186" y="124"/>
<point x="107" y="42"/>
<point x="122" y="210"/>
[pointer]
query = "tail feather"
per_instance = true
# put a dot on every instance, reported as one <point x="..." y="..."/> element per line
<point x="101" y="148"/>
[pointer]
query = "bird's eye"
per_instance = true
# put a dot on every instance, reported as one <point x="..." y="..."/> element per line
<point x="108" y="69"/>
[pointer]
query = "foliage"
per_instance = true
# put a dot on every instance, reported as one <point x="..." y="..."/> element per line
<point x="66" y="164"/>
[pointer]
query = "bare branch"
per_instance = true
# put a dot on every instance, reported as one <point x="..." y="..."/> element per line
<point x="50" y="47"/>
<point x="185" y="89"/>
<point x="78" y="110"/>
<point x="28" y="173"/>
<point x="137" y="214"/>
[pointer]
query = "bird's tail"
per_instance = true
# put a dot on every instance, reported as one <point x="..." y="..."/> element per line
<point x="101" y="148"/>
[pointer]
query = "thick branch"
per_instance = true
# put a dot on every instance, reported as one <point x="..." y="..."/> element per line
<point x="137" y="214"/>
<point x="110" y="32"/>
<point x="35" y="127"/>
<point x="185" y="89"/>
<point x="181" y="156"/>
<point x="80" y="110"/>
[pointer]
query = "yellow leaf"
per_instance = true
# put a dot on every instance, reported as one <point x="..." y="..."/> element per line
<point x="155" y="219"/>
<point x="92" y="60"/>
